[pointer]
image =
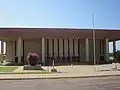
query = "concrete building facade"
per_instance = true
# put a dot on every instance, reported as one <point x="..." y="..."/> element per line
<point x="66" y="46"/>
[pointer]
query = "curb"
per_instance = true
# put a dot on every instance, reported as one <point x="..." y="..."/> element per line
<point x="58" y="77"/>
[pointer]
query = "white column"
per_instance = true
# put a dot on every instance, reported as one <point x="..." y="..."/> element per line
<point x="106" y="49"/>
<point x="66" y="47"/>
<point x="91" y="50"/>
<point x="19" y="49"/>
<point x="45" y="47"/>
<point x="43" y="50"/>
<point x="2" y="49"/>
<point x="76" y="46"/>
<point x="97" y="48"/>
<point x="71" y="47"/>
<point x="9" y="51"/>
<point x="87" y="49"/>
<point x="60" y="47"/>
<point x="114" y="46"/>
<point x="50" y="48"/>
<point x="55" y="47"/>
<point x="101" y="47"/>
<point x="82" y="50"/>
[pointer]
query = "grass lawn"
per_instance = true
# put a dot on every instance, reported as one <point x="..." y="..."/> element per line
<point x="10" y="69"/>
<point x="7" y="68"/>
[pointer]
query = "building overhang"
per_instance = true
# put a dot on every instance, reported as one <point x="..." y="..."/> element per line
<point x="35" y="33"/>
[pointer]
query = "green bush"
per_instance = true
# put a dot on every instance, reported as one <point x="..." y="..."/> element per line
<point x="116" y="55"/>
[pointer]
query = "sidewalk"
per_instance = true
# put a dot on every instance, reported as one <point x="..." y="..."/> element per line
<point x="57" y="76"/>
<point x="80" y="71"/>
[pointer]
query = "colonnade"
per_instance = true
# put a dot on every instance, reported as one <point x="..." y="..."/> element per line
<point x="58" y="48"/>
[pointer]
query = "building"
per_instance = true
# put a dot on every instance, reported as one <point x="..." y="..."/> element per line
<point x="65" y="45"/>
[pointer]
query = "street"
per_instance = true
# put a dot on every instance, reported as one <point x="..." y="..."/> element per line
<point x="101" y="83"/>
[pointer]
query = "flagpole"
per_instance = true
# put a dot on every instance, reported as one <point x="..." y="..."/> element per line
<point x="94" y="51"/>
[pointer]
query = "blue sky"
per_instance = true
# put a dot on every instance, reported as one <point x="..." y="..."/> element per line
<point x="60" y="13"/>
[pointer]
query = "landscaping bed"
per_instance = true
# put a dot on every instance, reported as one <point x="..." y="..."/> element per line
<point x="10" y="70"/>
<point x="7" y="68"/>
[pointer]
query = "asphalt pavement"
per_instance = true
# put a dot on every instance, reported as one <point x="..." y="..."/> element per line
<point x="101" y="83"/>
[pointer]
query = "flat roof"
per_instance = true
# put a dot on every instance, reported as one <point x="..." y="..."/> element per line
<point x="33" y="33"/>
